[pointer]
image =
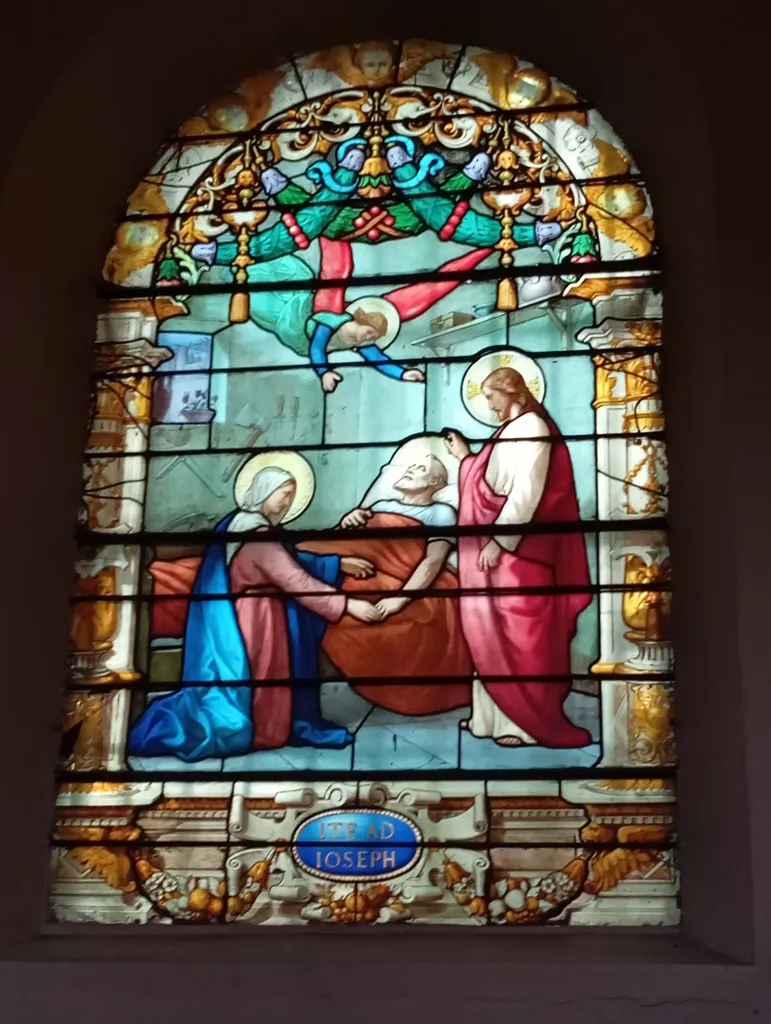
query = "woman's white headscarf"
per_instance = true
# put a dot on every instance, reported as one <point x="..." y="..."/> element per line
<point x="250" y="516"/>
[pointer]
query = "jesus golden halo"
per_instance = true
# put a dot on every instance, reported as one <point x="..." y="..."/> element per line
<point x="293" y="463"/>
<point x="471" y="388"/>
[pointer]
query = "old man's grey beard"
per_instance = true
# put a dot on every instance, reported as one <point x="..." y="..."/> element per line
<point x="410" y="487"/>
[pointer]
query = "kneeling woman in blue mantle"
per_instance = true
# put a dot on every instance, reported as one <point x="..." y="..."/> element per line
<point x="244" y="628"/>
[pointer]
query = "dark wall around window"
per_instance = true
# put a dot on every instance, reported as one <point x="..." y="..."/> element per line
<point x="90" y="89"/>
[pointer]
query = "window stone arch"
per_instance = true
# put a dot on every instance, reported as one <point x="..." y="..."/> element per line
<point x="676" y="306"/>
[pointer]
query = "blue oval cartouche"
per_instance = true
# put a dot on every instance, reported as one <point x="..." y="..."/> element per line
<point x="356" y="845"/>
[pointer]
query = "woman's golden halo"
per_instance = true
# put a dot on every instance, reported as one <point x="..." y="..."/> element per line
<point x="293" y="463"/>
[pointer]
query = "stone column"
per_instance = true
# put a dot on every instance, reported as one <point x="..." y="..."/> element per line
<point x="632" y="485"/>
<point x="104" y="627"/>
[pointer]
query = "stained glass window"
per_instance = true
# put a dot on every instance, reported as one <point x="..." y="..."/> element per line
<point x="371" y="612"/>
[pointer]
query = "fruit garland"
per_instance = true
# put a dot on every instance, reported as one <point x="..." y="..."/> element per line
<point x="377" y="903"/>
<point x="519" y="899"/>
<point x="201" y="899"/>
<point x="516" y="899"/>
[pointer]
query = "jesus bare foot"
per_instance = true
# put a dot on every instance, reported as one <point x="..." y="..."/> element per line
<point x="464" y="724"/>
<point x="509" y="741"/>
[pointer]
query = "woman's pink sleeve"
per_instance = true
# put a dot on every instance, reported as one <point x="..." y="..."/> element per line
<point x="276" y="564"/>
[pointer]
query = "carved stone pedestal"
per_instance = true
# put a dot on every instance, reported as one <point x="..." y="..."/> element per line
<point x="646" y="901"/>
<point x="505" y="854"/>
<point x="653" y="655"/>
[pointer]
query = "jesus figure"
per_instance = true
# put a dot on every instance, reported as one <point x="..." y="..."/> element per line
<point x="522" y="475"/>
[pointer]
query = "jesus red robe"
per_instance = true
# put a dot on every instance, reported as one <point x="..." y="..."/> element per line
<point x="524" y="635"/>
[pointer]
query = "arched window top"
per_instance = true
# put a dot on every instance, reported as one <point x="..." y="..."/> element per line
<point x="372" y="613"/>
<point x="521" y="124"/>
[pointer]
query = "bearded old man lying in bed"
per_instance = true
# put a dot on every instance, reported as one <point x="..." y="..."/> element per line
<point x="417" y="636"/>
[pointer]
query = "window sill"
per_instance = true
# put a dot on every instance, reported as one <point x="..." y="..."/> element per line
<point x="531" y="946"/>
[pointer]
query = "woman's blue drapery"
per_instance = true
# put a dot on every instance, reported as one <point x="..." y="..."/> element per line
<point x="216" y="721"/>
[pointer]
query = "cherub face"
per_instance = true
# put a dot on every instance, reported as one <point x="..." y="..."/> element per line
<point x="231" y="118"/>
<point x="576" y="137"/>
<point x="374" y="63"/>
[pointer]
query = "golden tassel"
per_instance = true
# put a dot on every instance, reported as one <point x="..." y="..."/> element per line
<point x="239" y="307"/>
<point x="375" y="167"/>
<point x="507" y="295"/>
